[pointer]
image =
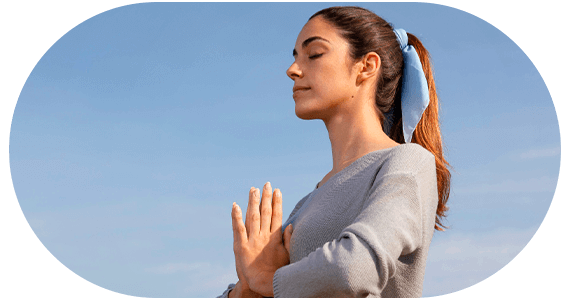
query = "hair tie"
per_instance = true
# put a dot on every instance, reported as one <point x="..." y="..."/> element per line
<point x="414" y="97"/>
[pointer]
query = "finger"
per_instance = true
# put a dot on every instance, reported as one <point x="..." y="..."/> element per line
<point x="253" y="213"/>
<point x="266" y="208"/>
<point x="277" y="211"/>
<point x="247" y="223"/>
<point x="287" y="237"/>
<point x="238" y="227"/>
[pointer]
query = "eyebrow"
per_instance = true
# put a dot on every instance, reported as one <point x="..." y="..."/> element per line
<point x="309" y="40"/>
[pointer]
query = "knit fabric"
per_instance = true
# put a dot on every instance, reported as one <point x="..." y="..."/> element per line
<point x="366" y="231"/>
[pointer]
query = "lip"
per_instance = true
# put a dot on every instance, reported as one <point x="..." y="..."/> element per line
<point x="298" y="88"/>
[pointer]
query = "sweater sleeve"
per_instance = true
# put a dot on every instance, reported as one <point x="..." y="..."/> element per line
<point x="226" y="293"/>
<point x="364" y="256"/>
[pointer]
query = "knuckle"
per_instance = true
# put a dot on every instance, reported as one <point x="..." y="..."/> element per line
<point x="266" y="211"/>
<point x="254" y="202"/>
<point x="238" y="250"/>
<point x="277" y="205"/>
<point x="256" y="218"/>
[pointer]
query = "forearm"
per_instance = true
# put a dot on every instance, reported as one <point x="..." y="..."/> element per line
<point x="343" y="268"/>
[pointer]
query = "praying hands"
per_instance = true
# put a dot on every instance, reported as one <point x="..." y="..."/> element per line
<point x="259" y="247"/>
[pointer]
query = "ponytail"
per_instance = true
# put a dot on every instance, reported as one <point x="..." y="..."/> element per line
<point x="427" y="133"/>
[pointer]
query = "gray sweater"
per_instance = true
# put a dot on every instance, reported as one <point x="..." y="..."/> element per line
<point x="366" y="231"/>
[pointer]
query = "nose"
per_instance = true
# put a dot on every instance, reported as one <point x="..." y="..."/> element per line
<point x="293" y="71"/>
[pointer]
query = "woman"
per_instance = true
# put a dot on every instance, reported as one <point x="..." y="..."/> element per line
<point x="366" y="228"/>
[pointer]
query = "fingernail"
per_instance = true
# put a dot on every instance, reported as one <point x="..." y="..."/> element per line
<point x="278" y="193"/>
<point x="267" y="185"/>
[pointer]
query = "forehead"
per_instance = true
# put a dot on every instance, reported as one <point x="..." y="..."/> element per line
<point x="319" y="27"/>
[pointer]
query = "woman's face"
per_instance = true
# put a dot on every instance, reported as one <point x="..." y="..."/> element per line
<point x="323" y="73"/>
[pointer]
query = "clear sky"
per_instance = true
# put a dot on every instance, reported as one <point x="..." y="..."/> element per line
<point x="138" y="129"/>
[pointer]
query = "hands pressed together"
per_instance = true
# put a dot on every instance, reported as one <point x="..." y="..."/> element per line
<point x="259" y="247"/>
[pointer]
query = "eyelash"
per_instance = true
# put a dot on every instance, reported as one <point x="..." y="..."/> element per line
<point x="315" y="56"/>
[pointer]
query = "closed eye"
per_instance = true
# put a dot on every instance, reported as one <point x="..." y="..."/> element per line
<point x="315" y="56"/>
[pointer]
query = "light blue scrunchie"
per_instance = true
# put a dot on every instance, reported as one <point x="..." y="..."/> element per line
<point x="414" y="97"/>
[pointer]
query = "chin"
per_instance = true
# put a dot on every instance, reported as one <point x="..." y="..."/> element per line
<point x="305" y="114"/>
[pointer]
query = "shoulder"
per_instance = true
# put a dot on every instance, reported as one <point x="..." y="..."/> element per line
<point x="409" y="171"/>
<point x="409" y="152"/>
<point x="408" y="159"/>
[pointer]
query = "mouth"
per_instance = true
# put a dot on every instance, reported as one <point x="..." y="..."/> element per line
<point x="299" y="89"/>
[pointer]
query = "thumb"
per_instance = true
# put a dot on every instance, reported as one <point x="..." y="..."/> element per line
<point x="287" y="236"/>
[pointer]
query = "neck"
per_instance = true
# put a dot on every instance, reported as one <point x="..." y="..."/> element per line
<point x="355" y="134"/>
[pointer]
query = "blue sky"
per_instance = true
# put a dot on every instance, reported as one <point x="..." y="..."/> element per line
<point x="137" y="130"/>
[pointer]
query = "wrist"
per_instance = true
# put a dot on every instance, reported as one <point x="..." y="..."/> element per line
<point x="243" y="291"/>
<point x="236" y="291"/>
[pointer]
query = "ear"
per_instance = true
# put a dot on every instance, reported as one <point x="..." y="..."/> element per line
<point x="369" y="66"/>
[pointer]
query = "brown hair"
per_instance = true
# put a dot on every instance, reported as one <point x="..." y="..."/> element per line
<point x="367" y="32"/>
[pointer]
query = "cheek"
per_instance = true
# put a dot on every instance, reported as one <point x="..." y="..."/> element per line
<point x="337" y="84"/>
